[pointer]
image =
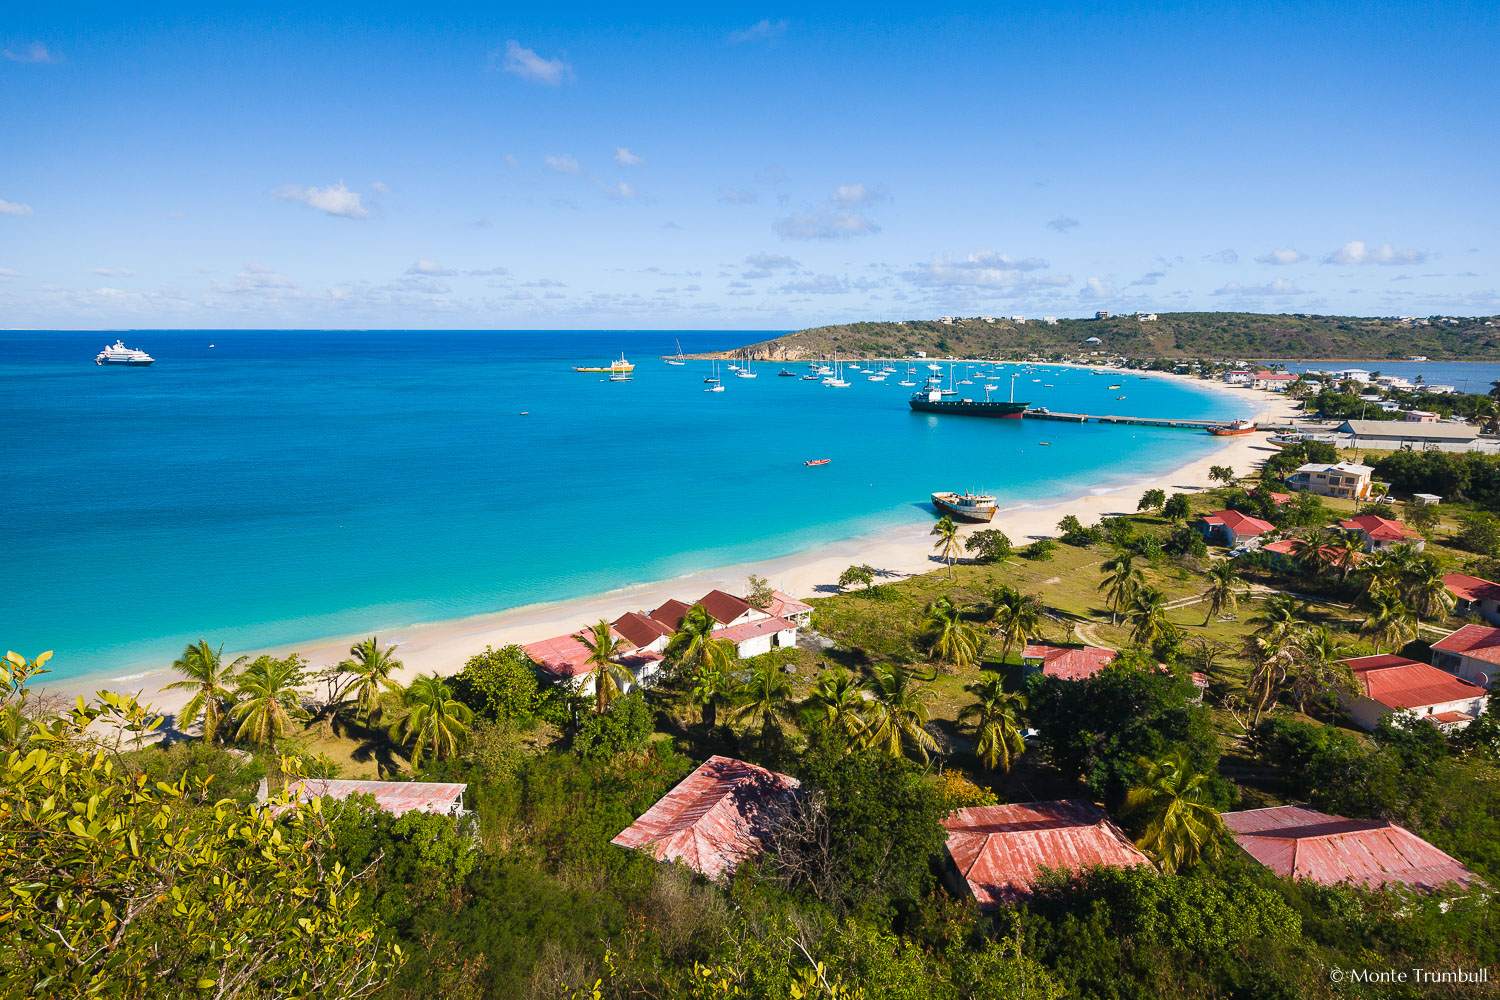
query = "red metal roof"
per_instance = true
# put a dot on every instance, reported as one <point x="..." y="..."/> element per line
<point x="1298" y="842"/>
<point x="640" y="629"/>
<point x="722" y="607"/>
<point x="563" y="655"/>
<point x="1240" y="524"/>
<point x="749" y="630"/>
<point x="671" y="614"/>
<point x="1477" y="641"/>
<point x="1471" y="588"/>
<point x="1399" y="683"/>
<point x="1379" y="528"/>
<point x="1335" y="556"/>
<point x="999" y="850"/>
<point x="715" y="818"/>
<point x="785" y="606"/>
<point x="395" y="797"/>
<point x="1070" y="663"/>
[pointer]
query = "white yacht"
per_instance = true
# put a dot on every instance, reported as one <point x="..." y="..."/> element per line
<point x="119" y="354"/>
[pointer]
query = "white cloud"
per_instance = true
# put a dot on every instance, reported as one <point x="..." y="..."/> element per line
<point x="771" y="262"/>
<point x="625" y="158"/>
<point x="1286" y="255"/>
<point x="734" y="196"/>
<point x="430" y="268"/>
<point x="824" y="223"/>
<point x="112" y="272"/>
<point x="336" y="199"/>
<point x="1225" y="256"/>
<point x="762" y="31"/>
<point x="1096" y="288"/>
<point x="510" y="161"/>
<point x="823" y="284"/>
<point x="562" y="163"/>
<point x="855" y="195"/>
<point x="771" y="175"/>
<point x="1149" y="278"/>
<point x="6" y="274"/>
<point x="525" y="63"/>
<point x="1356" y="252"/>
<point x="1062" y="224"/>
<point x="379" y="187"/>
<point x="1271" y="289"/>
<point x="488" y="272"/>
<point x="13" y="208"/>
<point x="36" y="52"/>
<point x="984" y="270"/>
<point x="620" y="190"/>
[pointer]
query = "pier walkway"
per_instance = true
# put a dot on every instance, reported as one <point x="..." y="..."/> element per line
<point x="1083" y="418"/>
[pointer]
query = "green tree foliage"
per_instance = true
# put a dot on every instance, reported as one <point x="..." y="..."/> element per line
<point x="211" y="681"/>
<point x="947" y="545"/>
<point x="1122" y="578"/>
<point x="836" y="702"/>
<point x="269" y="700"/>
<point x="1016" y="616"/>
<point x="1041" y="550"/>
<point x="435" y="720"/>
<point x="857" y="576"/>
<point x="897" y="714"/>
<point x="624" y="729"/>
<point x="1173" y="808"/>
<point x="502" y="684"/>
<point x="120" y="888"/>
<point x="609" y="676"/>
<point x="949" y="638"/>
<point x="997" y="722"/>
<point x="1074" y="533"/>
<point x="1098" y="729"/>
<point x="758" y="592"/>
<point x="766" y="697"/>
<point x="1176" y="508"/>
<point x="989" y="545"/>
<point x="1225" y="589"/>
<point x="371" y="668"/>
<point x="693" y="644"/>
<point x="1152" y="499"/>
<point x="712" y="689"/>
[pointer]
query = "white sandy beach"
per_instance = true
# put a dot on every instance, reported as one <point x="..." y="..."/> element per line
<point x="444" y="646"/>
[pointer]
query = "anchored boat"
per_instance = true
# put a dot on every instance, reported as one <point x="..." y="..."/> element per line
<point x="621" y="366"/>
<point x="965" y="506"/>
<point x="1236" y="428"/>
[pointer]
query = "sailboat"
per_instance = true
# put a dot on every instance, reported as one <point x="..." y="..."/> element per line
<point x="746" y="371"/>
<point x="908" y="381"/>
<point x="966" y="380"/>
<point x="837" y="379"/>
<point x="678" y="360"/>
<point x="713" y="379"/>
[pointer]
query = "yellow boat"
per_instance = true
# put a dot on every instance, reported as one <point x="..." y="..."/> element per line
<point x="612" y="368"/>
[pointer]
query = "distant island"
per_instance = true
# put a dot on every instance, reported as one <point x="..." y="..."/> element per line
<point x="1257" y="336"/>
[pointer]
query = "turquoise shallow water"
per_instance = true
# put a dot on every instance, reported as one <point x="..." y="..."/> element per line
<point x="284" y="486"/>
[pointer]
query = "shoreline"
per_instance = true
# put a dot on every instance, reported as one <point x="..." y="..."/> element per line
<point x="443" y="646"/>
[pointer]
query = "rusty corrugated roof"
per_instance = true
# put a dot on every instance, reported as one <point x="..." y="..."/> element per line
<point x="785" y="605"/>
<point x="1471" y="588"/>
<point x="641" y="629"/>
<point x="999" y="850"/>
<point x="723" y="607"/>
<point x="395" y="797"/>
<point x="564" y="655"/>
<point x="1069" y="663"/>
<point x="671" y="614"/>
<point x="1478" y="641"/>
<point x="749" y="630"/>
<point x="715" y="818"/>
<point x="1399" y="683"/>
<point x="1298" y="842"/>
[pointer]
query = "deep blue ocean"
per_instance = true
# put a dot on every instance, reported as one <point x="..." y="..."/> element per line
<point x="284" y="486"/>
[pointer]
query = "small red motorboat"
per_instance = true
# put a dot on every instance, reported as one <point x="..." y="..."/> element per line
<point x="818" y="461"/>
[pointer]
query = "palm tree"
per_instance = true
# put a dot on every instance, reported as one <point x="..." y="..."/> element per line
<point x="1181" y="826"/>
<point x="1224" y="590"/>
<point x="210" y="681"/>
<point x="1387" y="619"/>
<point x="997" y="722"/>
<point x="1281" y="619"/>
<point x="1426" y="593"/>
<point x="1221" y="474"/>
<point x="1147" y="617"/>
<point x="1269" y="662"/>
<point x="436" y="719"/>
<point x="897" y="714"/>
<point x="372" y="668"/>
<point x="268" y="702"/>
<point x="1346" y="551"/>
<point x="1317" y="667"/>
<point x="609" y="677"/>
<point x="767" y="695"/>
<point x="1017" y="617"/>
<point x="694" y="646"/>
<point x="836" y="702"/>
<point x="1124" y="579"/>
<point x="947" y="544"/>
<point x="950" y="639"/>
<point x="1311" y="552"/>
<point x="712" y="689"/>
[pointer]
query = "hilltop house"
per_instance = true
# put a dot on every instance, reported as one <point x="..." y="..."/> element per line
<point x="1470" y="593"/>
<point x="1472" y="652"/>
<point x="715" y="818"/>
<point x="1382" y="533"/>
<point x="1339" y="479"/>
<point x="395" y="797"/>
<point x="1301" y="843"/>
<point x="1281" y="557"/>
<point x="1069" y="663"/>
<point x="1232" y="528"/>
<point x="995" y="853"/>
<point x="1389" y="684"/>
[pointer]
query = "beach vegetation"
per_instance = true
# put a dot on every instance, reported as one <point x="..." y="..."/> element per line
<point x="370" y="668"/>
<point x="947" y="545"/>
<point x="1017" y="617"/>
<point x="758" y="592"/>
<point x="988" y="545"/>
<point x="609" y="676"/>
<point x="268" y="700"/>
<point x="1176" y="508"/>
<point x="211" y="681"/>
<point x="1152" y="499"/>
<point x="837" y="703"/>
<point x="1122" y="578"/>
<point x="624" y="729"/>
<point x="711" y="689"/>
<point x="1226" y="588"/>
<point x="435" y="720"/>
<point x="1041" y="550"/>
<point x="693" y="644"/>
<point x="897" y="714"/>
<point x="1173" y="808"/>
<point x="996" y="718"/>
<point x="951" y="639"/>
<point x="502" y="684"/>
<point x="766" y="697"/>
<point x="857" y="576"/>
<point x="1074" y="532"/>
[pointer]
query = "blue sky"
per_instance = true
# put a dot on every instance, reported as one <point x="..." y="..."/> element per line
<point x="749" y="167"/>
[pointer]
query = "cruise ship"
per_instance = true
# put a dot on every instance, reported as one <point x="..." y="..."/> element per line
<point x="119" y="354"/>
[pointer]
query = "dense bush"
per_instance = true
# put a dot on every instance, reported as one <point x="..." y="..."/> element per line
<point x="502" y="683"/>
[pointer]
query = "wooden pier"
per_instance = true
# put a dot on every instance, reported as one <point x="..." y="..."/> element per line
<point x="1084" y="418"/>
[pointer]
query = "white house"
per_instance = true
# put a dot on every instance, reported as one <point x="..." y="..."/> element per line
<point x="1382" y="533"/>
<point x="1018" y="320"/>
<point x="1272" y="381"/>
<point x="1050" y="320"/>
<point x="1146" y="317"/>
<point x="1470" y="593"/>
<point x="1389" y="684"/>
<point x="1337" y="479"/>
<point x="1473" y="652"/>
<point x="1102" y="314"/>
<point x="1353" y="375"/>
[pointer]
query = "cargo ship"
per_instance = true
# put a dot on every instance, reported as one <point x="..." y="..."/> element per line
<point x="930" y="400"/>
<point x="965" y="506"/>
<point x="622" y="367"/>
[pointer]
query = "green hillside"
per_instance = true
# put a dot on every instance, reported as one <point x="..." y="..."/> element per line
<point x="1190" y="335"/>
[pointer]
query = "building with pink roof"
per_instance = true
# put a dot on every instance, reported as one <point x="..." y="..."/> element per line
<point x="1232" y="528"/>
<point x="1470" y="593"/>
<point x="1297" y="842"/>
<point x="1388" y="684"/>
<point x="394" y="797"/>
<point x="1069" y="663"/>
<point x="1473" y="653"/>
<point x="1383" y="533"/>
